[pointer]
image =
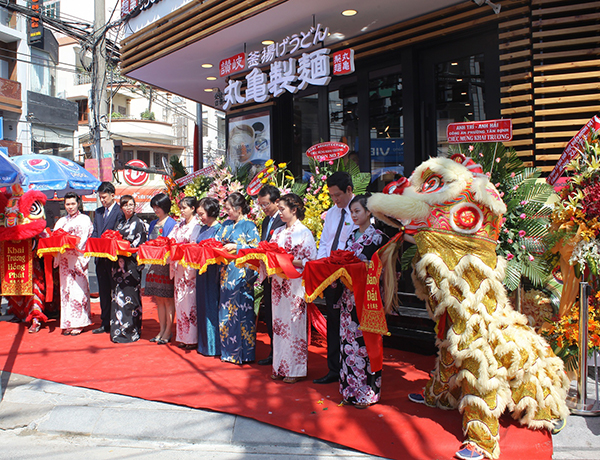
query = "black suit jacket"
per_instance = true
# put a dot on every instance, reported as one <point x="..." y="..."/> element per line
<point x="275" y="225"/>
<point x="110" y="223"/>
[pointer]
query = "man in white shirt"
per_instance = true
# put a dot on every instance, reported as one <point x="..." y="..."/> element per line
<point x="336" y="230"/>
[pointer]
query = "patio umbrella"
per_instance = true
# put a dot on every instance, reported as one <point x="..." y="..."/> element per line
<point x="10" y="173"/>
<point x="53" y="174"/>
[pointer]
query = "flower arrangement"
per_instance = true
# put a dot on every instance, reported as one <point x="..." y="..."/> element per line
<point x="563" y="333"/>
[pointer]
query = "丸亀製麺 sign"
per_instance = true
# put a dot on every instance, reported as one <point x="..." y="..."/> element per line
<point x="232" y="64"/>
<point x="327" y="151"/>
<point x="133" y="177"/>
<point x="480" y="131"/>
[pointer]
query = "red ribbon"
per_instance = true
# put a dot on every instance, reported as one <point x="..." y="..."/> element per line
<point x="342" y="257"/>
<point x="154" y="250"/>
<point x="275" y="259"/>
<point x="49" y="247"/>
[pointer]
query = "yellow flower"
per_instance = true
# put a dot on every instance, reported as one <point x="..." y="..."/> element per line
<point x="272" y="183"/>
<point x="268" y="163"/>
<point x="260" y="174"/>
<point x="264" y="181"/>
<point x="270" y="170"/>
<point x="282" y="165"/>
<point x="289" y="177"/>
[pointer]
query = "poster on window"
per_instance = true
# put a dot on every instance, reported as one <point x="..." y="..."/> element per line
<point x="249" y="139"/>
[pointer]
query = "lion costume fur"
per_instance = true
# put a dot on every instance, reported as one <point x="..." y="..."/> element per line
<point x="489" y="359"/>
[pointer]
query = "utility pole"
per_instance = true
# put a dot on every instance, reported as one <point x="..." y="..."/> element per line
<point x="98" y="81"/>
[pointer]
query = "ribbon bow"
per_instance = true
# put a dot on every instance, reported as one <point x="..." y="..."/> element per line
<point x="342" y="257"/>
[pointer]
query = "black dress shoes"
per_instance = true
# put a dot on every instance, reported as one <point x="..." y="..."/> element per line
<point x="266" y="362"/>
<point x="329" y="378"/>
<point x="100" y="330"/>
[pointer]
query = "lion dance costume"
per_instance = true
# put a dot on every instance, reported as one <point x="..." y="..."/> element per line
<point x="22" y="219"/>
<point x="489" y="359"/>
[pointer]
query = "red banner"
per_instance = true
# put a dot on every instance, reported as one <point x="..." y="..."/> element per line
<point x="480" y="131"/>
<point x="16" y="267"/>
<point x="327" y="151"/>
<point x="573" y="148"/>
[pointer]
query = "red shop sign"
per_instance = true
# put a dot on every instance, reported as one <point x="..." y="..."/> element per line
<point x="326" y="151"/>
<point x="133" y="177"/>
<point x="232" y="64"/>
<point x="480" y="131"/>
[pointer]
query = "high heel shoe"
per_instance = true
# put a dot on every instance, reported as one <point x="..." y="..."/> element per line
<point x="162" y="341"/>
<point x="155" y="339"/>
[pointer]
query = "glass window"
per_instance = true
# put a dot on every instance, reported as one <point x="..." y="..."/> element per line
<point x="459" y="94"/>
<point x="306" y="126"/>
<point x="144" y="155"/>
<point x="343" y="117"/>
<point x="43" y="73"/>
<point x="386" y="125"/>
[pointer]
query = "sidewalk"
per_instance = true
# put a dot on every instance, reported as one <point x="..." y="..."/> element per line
<point x="42" y="419"/>
<point x="39" y="419"/>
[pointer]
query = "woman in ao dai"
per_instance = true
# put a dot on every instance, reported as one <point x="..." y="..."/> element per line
<point x="290" y="347"/>
<point x="126" y="280"/>
<point x="185" y="278"/>
<point x="358" y="385"/>
<point x="75" y="311"/>
<point x="207" y="284"/>
<point x="237" y="320"/>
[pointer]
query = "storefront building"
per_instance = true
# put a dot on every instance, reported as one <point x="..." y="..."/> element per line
<point x="416" y="67"/>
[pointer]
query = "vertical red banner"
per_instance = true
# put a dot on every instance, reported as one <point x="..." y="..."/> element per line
<point x="16" y="267"/>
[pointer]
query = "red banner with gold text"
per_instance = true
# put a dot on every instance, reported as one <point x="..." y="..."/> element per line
<point x="16" y="267"/>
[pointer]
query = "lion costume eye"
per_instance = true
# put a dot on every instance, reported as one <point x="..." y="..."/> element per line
<point x="36" y="211"/>
<point x="433" y="184"/>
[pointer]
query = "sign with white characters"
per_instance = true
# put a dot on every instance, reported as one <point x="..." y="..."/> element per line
<point x="292" y="74"/>
<point x="343" y="62"/>
<point x="133" y="177"/>
<point x="232" y="64"/>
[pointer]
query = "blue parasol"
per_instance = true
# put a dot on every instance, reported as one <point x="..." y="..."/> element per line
<point x="10" y="173"/>
<point x="50" y="174"/>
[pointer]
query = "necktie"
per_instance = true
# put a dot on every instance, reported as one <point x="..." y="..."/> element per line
<point x="336" y="238"/>
<point x="269" y="228"/>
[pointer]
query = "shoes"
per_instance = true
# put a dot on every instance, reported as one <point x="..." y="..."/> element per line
<point x="266" y="362"/>
<point x="76" y="331"/>
<point x="187" y="346"/>
<point x="162" y="341"/>
<point x="292" y="379"/>
<point x="362" y="406"/>
<point x="155" y="339"/>
<point x="66" y="332"/>
<point x="329" y="378"/>
<point x="35" y="326"/>
<point x="100" y="330"/>
<point x="416" y="398"/>
<point x="276" y="377"/>
<point x="469" y="453"/>
<point x="559" y="424"/>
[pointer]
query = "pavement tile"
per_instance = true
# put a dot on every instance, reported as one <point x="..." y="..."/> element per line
<point x="16" y="415"/>
<point x="71" y="419"/>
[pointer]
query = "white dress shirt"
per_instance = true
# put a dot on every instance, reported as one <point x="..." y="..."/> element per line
<point x="332" y="220"/>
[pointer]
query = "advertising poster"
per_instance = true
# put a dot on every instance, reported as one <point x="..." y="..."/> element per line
<point x="249" y="139"/>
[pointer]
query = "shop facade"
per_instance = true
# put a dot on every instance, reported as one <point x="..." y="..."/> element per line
<point x="416" y="67"/>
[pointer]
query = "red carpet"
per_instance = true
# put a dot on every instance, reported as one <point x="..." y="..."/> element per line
<point x="394" y="428"/>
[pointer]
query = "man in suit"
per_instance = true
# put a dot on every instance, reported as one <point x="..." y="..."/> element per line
<point x="337" y="228"/>
<point x="107" y="217"/>
<point x="268" y="196"/>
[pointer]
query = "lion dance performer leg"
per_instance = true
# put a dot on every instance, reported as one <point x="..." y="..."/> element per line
<point x="489" y="359"/>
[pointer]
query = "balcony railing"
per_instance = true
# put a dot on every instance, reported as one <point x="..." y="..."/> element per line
<point x="83" y="78"/>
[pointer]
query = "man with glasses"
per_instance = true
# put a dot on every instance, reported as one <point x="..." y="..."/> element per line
<point x="268" y="196"/>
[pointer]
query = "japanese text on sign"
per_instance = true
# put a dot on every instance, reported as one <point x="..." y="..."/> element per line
<point x="343" y="62"/>
<point x="572" y="149"/>
<point x="289" y="45"/>
<point x="480" y="131"/>
<point x="311" y="68"/>
<point x="232" y="64"/>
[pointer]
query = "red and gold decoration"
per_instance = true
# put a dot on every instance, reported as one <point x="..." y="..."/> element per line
<point x="155" y="251"/>
<point x="57" y="243"/>
<point x="16" y="267"/>
<point x="363" y="280"/>
<point x="274" y="258"/>
<point x="110" y="246"/>
<point x="201" y="255"/>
